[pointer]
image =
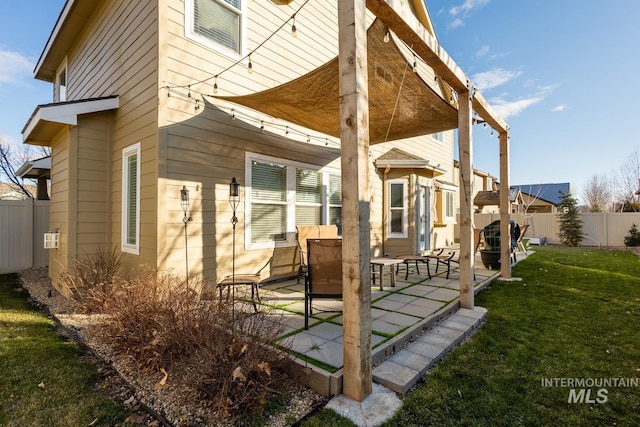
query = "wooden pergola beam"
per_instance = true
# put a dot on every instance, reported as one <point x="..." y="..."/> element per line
<point x="400" y="19"/>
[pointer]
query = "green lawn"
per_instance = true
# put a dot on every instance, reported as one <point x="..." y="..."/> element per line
<point x="575" y="315"/>
<point x="43" y="382"/>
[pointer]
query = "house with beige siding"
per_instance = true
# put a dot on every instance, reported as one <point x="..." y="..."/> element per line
<point x="154" y="96"/>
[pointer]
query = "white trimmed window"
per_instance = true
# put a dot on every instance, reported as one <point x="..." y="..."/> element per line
<point x="218" y="24"/>
<point x="284" y="194"/>
<point x="397" y="208"/>
<point x="131" y="199"/>
<point x="60" y="83"/>
<point x="449" y="205"/>
<point x="438" y="136"/>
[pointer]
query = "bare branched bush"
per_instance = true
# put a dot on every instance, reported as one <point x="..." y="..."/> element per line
<point x="224" y="353"/>
<point x="93" y="272"/>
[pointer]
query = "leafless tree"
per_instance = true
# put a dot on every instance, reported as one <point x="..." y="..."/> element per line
<point x="597" y="194"/>
<point x="627" y="179"/>
<point x="11" y="158"/>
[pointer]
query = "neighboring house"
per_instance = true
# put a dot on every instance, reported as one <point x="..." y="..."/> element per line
<point x="136" y="116"/>
<point x="40" y="171"/>
<point x="489" y="201"/>
<point x="543" y="198"/>
<point x="10" y="192"/>
<point x="482" y="181"/>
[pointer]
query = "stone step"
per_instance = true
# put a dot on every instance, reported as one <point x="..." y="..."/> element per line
<point x="403" y="370"/>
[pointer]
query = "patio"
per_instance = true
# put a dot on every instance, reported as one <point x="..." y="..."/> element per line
<point x="399" y="315"/>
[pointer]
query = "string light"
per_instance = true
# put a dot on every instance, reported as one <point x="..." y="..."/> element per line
<point x="242" y="60"/>
<point x="233" y="114"/>
<point x="261" y="125"/>
<point x="189" y="94"/>
<point x="415" y="64"/>
<point x="215" y="85"/>
<point x="294" y="31"/>
<point x="197" y="105"/>
<point x="387" y="36"/>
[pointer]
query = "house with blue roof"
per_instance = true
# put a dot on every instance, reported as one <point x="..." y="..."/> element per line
<point x="543" y="198"/>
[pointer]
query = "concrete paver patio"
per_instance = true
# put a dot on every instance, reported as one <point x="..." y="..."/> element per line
<point x="400" y="315"/>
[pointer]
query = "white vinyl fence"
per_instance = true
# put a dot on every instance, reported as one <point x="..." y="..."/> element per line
<point x="601" y="229"/>
<point x="22" y="227"/>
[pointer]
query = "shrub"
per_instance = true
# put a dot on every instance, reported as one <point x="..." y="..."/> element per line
<point x="633" y="238"/>
<point x="226" y="355"/>
<point x="92" y="271"/>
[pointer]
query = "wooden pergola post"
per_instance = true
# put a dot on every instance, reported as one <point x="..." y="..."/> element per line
<point x="354" y="136"/>
<point x="465" y="146"/>
<point x="505" y="207"/>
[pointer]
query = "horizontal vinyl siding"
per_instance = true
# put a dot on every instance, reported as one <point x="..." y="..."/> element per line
<point x="93" y="188"/>
<point x="59" y="206"/>
<point x="117" y="54"/>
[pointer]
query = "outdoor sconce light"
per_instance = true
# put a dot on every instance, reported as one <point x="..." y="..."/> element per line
<point x="184" y="202"/>
<point x="234" y="198"/>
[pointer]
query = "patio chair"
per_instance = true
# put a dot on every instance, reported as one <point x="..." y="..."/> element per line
<point x="324" y="278"/>
<point x="523" y="229"/>
<point x="452" y="257"/>
<point x="424" y="259"/>
<point x="305" y="232"/>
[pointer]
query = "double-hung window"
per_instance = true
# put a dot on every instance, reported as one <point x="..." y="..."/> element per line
<point x="131" y="199"/>
<point x="218" y="24"/>
<point x="449" y="205"/>
<point x="268" y="202"/>
<point x="397" y="208"/>
<point x="60" y="83"/>
<point x="438" y="136"/>
<point x="308" y="197"/>
<point x="285" y="194"/>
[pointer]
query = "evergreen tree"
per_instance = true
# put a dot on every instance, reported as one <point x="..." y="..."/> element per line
<point x="633" y="238"/>
<point x="570" y="224"/>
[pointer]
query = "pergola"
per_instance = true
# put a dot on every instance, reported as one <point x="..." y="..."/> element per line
<point x="351" y="122"/>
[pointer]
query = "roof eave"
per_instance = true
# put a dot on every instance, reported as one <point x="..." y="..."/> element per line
<point x="49" y="119"/>
<point x="71" y="21"/>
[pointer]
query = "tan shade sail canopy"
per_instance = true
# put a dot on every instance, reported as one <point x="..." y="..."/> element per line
<point x="313" y="101"/>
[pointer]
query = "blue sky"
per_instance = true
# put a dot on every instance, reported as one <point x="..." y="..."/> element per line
<point x="562" y="73"/>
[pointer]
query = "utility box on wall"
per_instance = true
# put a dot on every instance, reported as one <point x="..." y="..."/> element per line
<point x="51" y="240"/>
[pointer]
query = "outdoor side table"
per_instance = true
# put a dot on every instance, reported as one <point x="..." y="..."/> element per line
<point x="381" y="263"/>
<point x="242" y="279"/>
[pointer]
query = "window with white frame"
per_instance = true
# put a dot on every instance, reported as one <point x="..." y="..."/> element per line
<point x="218" y="24"/>
<point x="397" y="208"/>
<point x="284" y="194"/>
<point x="131" y="199"/>
<point x="308" y="197"/>
<point x="60" y="83"/>
<point x="268" y="202"/>
<point x="438" y="136"/>
<point x="449" y="205"/>
<point x="335" y="201"/>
